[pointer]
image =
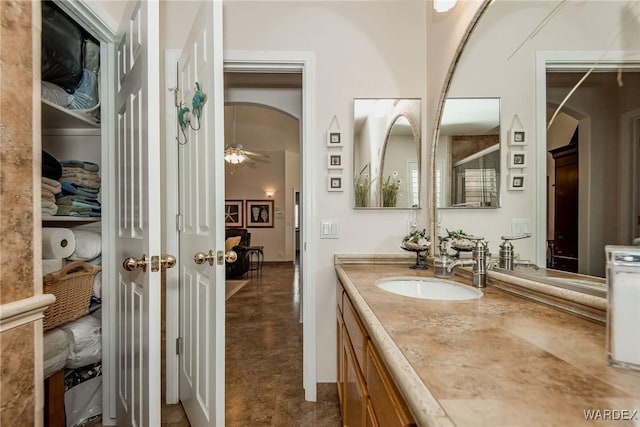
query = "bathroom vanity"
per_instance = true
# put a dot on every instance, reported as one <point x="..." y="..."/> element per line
<point x="502" y="359"/>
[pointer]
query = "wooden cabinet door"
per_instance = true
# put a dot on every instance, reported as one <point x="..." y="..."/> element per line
<point x="340" y="360"/>
<point x="371" y="420"/>
<point x="390" y="408"/>
<point x="355" y="398"/>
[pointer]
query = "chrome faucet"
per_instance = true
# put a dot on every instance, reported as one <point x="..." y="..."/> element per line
<point x="506" y="259"/>
<point x="444" y="268"/>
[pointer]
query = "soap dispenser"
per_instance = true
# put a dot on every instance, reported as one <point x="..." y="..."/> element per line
<point x="623" y="306"/>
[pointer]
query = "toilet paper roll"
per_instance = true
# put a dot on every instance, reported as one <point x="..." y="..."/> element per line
<point x="57" y="242"/>
<point x="51" y="265"/>
<point x="88" y="245"/>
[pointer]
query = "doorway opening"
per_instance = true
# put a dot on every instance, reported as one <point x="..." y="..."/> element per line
<point x="303" y="63"/>
<point x="591" y="164"/>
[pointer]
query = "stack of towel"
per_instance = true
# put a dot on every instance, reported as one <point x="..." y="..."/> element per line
<point x="50" y="187"/>
<point x="51" y="173"/>
<point x="80" y="183"/>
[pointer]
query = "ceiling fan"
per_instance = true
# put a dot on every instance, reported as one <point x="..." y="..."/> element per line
<point x="237" y="156"/>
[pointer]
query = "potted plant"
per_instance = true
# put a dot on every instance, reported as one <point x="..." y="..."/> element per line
<point x="390" y="190"/>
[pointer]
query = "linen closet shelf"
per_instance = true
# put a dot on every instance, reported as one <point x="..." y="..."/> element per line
<point x="69" y="134"/>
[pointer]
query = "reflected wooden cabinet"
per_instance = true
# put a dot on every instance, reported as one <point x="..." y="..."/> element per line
<point x="368" y="396"/>
<point x="565" y="254"/>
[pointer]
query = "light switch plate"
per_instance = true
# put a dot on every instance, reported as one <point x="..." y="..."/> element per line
<point x="520" y="226"/>
<point x="328" y="229"/>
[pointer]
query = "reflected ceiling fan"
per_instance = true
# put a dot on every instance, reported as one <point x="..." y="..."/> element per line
<point x="236" y="155"/>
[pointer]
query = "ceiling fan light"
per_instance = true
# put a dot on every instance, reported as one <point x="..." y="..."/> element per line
<point x="234" y="158"/>
<point x="443" y="5"/>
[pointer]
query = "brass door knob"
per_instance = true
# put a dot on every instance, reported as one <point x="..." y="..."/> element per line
<point x="168" y="261"/>
<point x="132" y="263"/>
<point x="230" y="256"/>
<point x="201" y="257"/>
<point x="210" y="257"/>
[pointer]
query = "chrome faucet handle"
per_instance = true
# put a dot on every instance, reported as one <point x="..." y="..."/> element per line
<point x="442" y="244"/>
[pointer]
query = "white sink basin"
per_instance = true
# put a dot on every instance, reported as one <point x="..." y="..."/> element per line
<point x="427" y="288"/>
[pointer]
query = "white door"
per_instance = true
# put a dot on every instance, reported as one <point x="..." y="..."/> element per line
<point x="201" y="204"/>
<point x="137" y="163"/>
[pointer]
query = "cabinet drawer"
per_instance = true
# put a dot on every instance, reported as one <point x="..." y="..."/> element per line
<point x="356" y="332"/>
<point x="388" y="404"/>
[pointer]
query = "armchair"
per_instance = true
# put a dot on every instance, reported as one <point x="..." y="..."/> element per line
<point x="242" y="264"/>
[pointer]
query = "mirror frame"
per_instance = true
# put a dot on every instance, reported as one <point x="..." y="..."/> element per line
<point x="433" y="209"/>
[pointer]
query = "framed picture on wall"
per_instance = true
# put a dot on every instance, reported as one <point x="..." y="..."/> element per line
<point x="334" y="183"/>
<point x="334" y="138"/>
<point x="517" y="159"/>
<point x="334" y="161"/>
<point x="259" y="213"/>
<point x="233" y="213"/>
<point x="516" y="181"/>
<point x="517" y="137"/>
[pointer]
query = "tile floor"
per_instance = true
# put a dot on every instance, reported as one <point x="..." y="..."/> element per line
<point x="264" y="359"/>
<point x="264" y="356"/>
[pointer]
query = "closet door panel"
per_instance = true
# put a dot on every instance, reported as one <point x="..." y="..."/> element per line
<point x="137" y="183"/>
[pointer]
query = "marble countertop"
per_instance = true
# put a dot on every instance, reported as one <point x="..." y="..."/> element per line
<point x="501" y="360"/>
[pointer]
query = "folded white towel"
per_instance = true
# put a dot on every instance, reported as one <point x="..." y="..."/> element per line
<point x="97" y="285"/>
<point x="48" y="196"/>
<point x="85" y="341"/>
<point x="56" y="350"/>
<point x="49" y="181"/>
<point x="78" y="172"/>
<point x="50" y="210"/>
<point x="51" y="184"/>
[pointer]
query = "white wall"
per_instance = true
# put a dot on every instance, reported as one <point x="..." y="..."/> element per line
<point x="501" y="56"/>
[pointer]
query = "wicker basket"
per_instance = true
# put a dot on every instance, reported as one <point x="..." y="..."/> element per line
<point x="72" y="287"/>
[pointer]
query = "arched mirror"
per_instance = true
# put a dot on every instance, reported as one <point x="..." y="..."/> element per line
<point x="568" y="78"/>
<point x="386" y="153"/>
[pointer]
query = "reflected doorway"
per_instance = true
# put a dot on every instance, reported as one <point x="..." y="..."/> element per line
<point x="598" y="117"/>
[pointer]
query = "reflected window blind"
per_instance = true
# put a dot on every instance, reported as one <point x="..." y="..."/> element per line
<point x="480" y="186"/>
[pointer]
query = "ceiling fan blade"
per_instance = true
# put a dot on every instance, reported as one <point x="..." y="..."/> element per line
<point x="258" y="158"/>
<point x="253" y="153"/>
